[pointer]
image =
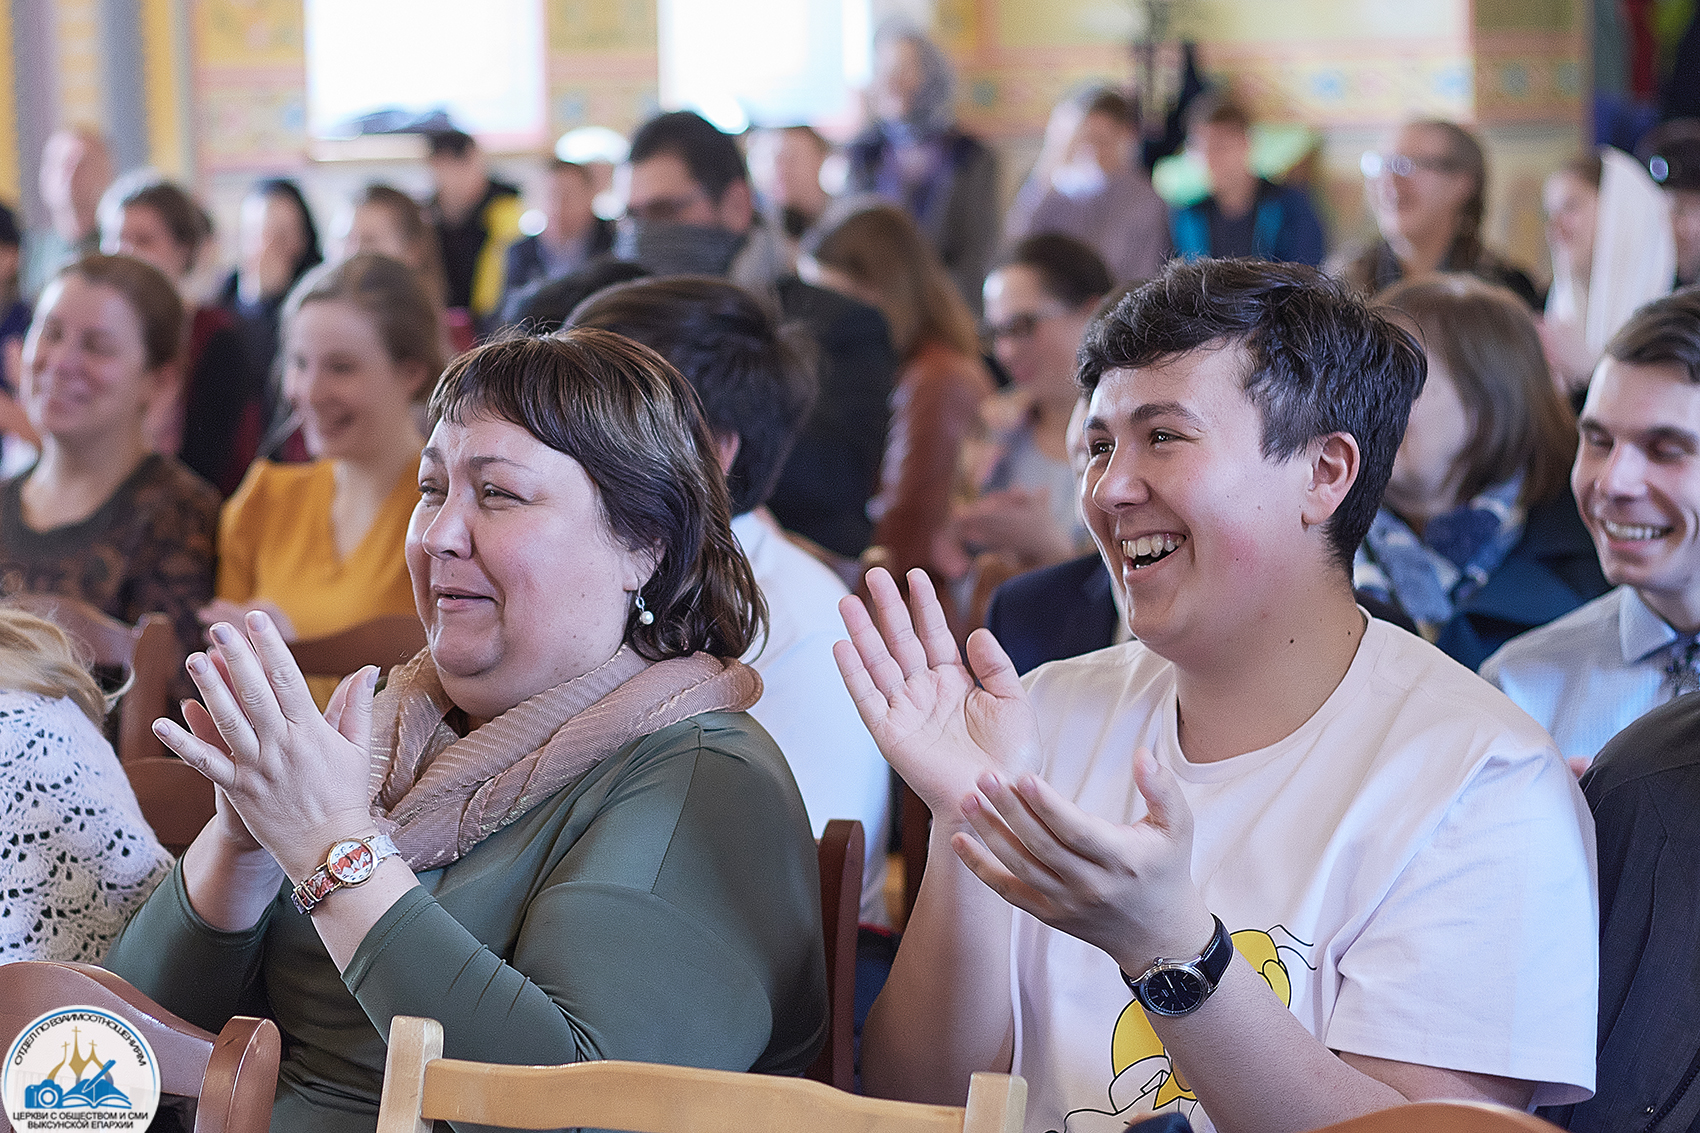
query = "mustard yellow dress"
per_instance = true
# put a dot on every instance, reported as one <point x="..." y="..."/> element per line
<point x="275" y="543"/>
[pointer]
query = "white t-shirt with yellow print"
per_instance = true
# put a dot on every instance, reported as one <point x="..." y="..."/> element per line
<point x="1412" y="870"/>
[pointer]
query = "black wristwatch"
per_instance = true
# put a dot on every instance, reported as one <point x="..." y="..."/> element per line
<point x="1180" y="987"/>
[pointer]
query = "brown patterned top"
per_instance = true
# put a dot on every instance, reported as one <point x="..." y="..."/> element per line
<point x="148" y="549"/>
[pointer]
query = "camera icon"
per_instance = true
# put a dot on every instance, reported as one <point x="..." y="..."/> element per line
<point x="43" y="1095"/>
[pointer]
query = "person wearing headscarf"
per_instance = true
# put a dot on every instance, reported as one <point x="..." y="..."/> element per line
<point x="914" y="155"/>
<point x="1613" y="250"/>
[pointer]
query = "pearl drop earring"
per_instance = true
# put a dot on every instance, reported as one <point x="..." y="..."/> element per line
<point x="645" y="617"/>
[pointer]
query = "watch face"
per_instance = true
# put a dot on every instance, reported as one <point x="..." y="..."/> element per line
<point x="1173" y="991"/>
<point x="351" y="862"/>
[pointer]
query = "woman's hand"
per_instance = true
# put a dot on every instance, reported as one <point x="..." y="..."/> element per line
<point x="298" y="781"/>
<point x="1016" y="521"/>
<point x="920" y="702"/>
<point x="233" y="833"/>
<point x="1568" y="354"/>
<point x="224" y="610"/>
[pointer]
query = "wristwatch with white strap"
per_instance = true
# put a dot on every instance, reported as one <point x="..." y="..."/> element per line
<point x="350" y="862"/>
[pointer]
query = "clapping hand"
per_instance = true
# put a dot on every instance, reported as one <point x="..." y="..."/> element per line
<point x="224" y="610"/>
<point x="1125" y="889"/>
<point x="297" y="781"/>
<point x="920" y="702"/>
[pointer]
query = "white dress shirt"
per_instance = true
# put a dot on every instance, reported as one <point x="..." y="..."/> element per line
<point x="804" y="705"/>
<point x="1589" y="674"/>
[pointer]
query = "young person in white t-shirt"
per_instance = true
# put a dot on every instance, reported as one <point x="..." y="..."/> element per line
<point x="1343" y="871"/>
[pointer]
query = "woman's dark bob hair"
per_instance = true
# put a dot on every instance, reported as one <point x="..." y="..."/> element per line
<point x="633" y="424"/>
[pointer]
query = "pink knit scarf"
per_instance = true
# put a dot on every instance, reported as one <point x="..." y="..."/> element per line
<point x="440" y="793"/>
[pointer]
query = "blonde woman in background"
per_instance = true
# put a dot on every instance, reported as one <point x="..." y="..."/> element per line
<point x="76" y="855"/>
<point x="318" y="546"/>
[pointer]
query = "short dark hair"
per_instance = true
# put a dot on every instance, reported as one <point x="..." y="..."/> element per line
<point x="1217" y="108"/>
<point x="1107" y="102"/>
<point x="184" y="218"/>
<point x="285" y="189"/>
<point x="448" y="143"/>
<point x="1069" y="271"/>
<point x="1321" y="362"/>
<point x="1486" y="340"/>
<point x="711" y="157"/>
<point x="1665" y="332"/>
<point x="545" y="307"/>
<point x="633" y="424"/>
<point x="752" y="383"/>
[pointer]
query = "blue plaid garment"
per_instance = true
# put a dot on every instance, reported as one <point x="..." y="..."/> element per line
<point x="1432" y="576"/>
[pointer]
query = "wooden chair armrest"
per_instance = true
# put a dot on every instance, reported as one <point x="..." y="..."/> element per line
<point x="241" y="1078"/>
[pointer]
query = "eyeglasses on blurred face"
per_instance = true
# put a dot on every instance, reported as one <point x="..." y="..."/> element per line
<point x="1020" y="326"/>
<point x="1376" y="165"/>
<point x="663" y="210"/>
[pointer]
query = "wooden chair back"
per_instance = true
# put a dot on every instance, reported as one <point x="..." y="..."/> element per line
<point x="841" y="849"/>
<point x="421" y="1086"/>
<point x="385" y="642"/>
<point x="175" y="799"/>
<point x="1444" y="1117"/>
<point x="147" y="653"/>
<point x="233" y="1073"/>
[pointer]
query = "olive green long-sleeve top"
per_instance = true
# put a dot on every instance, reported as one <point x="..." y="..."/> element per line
<point x="664" y="909"/>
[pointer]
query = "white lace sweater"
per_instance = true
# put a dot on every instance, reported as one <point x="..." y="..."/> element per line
<point x="76" y="856"/>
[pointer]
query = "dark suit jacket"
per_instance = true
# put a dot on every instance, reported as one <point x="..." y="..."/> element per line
<point x="834" y="470"/>
<point x="1054" y="612"/>
<point x="1644" y="789"/>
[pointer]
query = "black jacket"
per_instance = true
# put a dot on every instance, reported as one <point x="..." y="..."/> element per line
<point x="1644" y="789"/>
<point x="834" y="470"/>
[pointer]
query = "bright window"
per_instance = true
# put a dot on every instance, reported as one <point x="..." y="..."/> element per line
<point x="482" y="63"/>
<point x="764" y="62"/>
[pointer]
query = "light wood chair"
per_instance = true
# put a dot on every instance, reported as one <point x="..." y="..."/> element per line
<point x="421" y="1086"/>
<point x="1444" y="1117"/>
<point x="233" y="1073"/>
<point x="841" y="849"/>
<point x="385" y="642"/>
<point x="175" y="799"/>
